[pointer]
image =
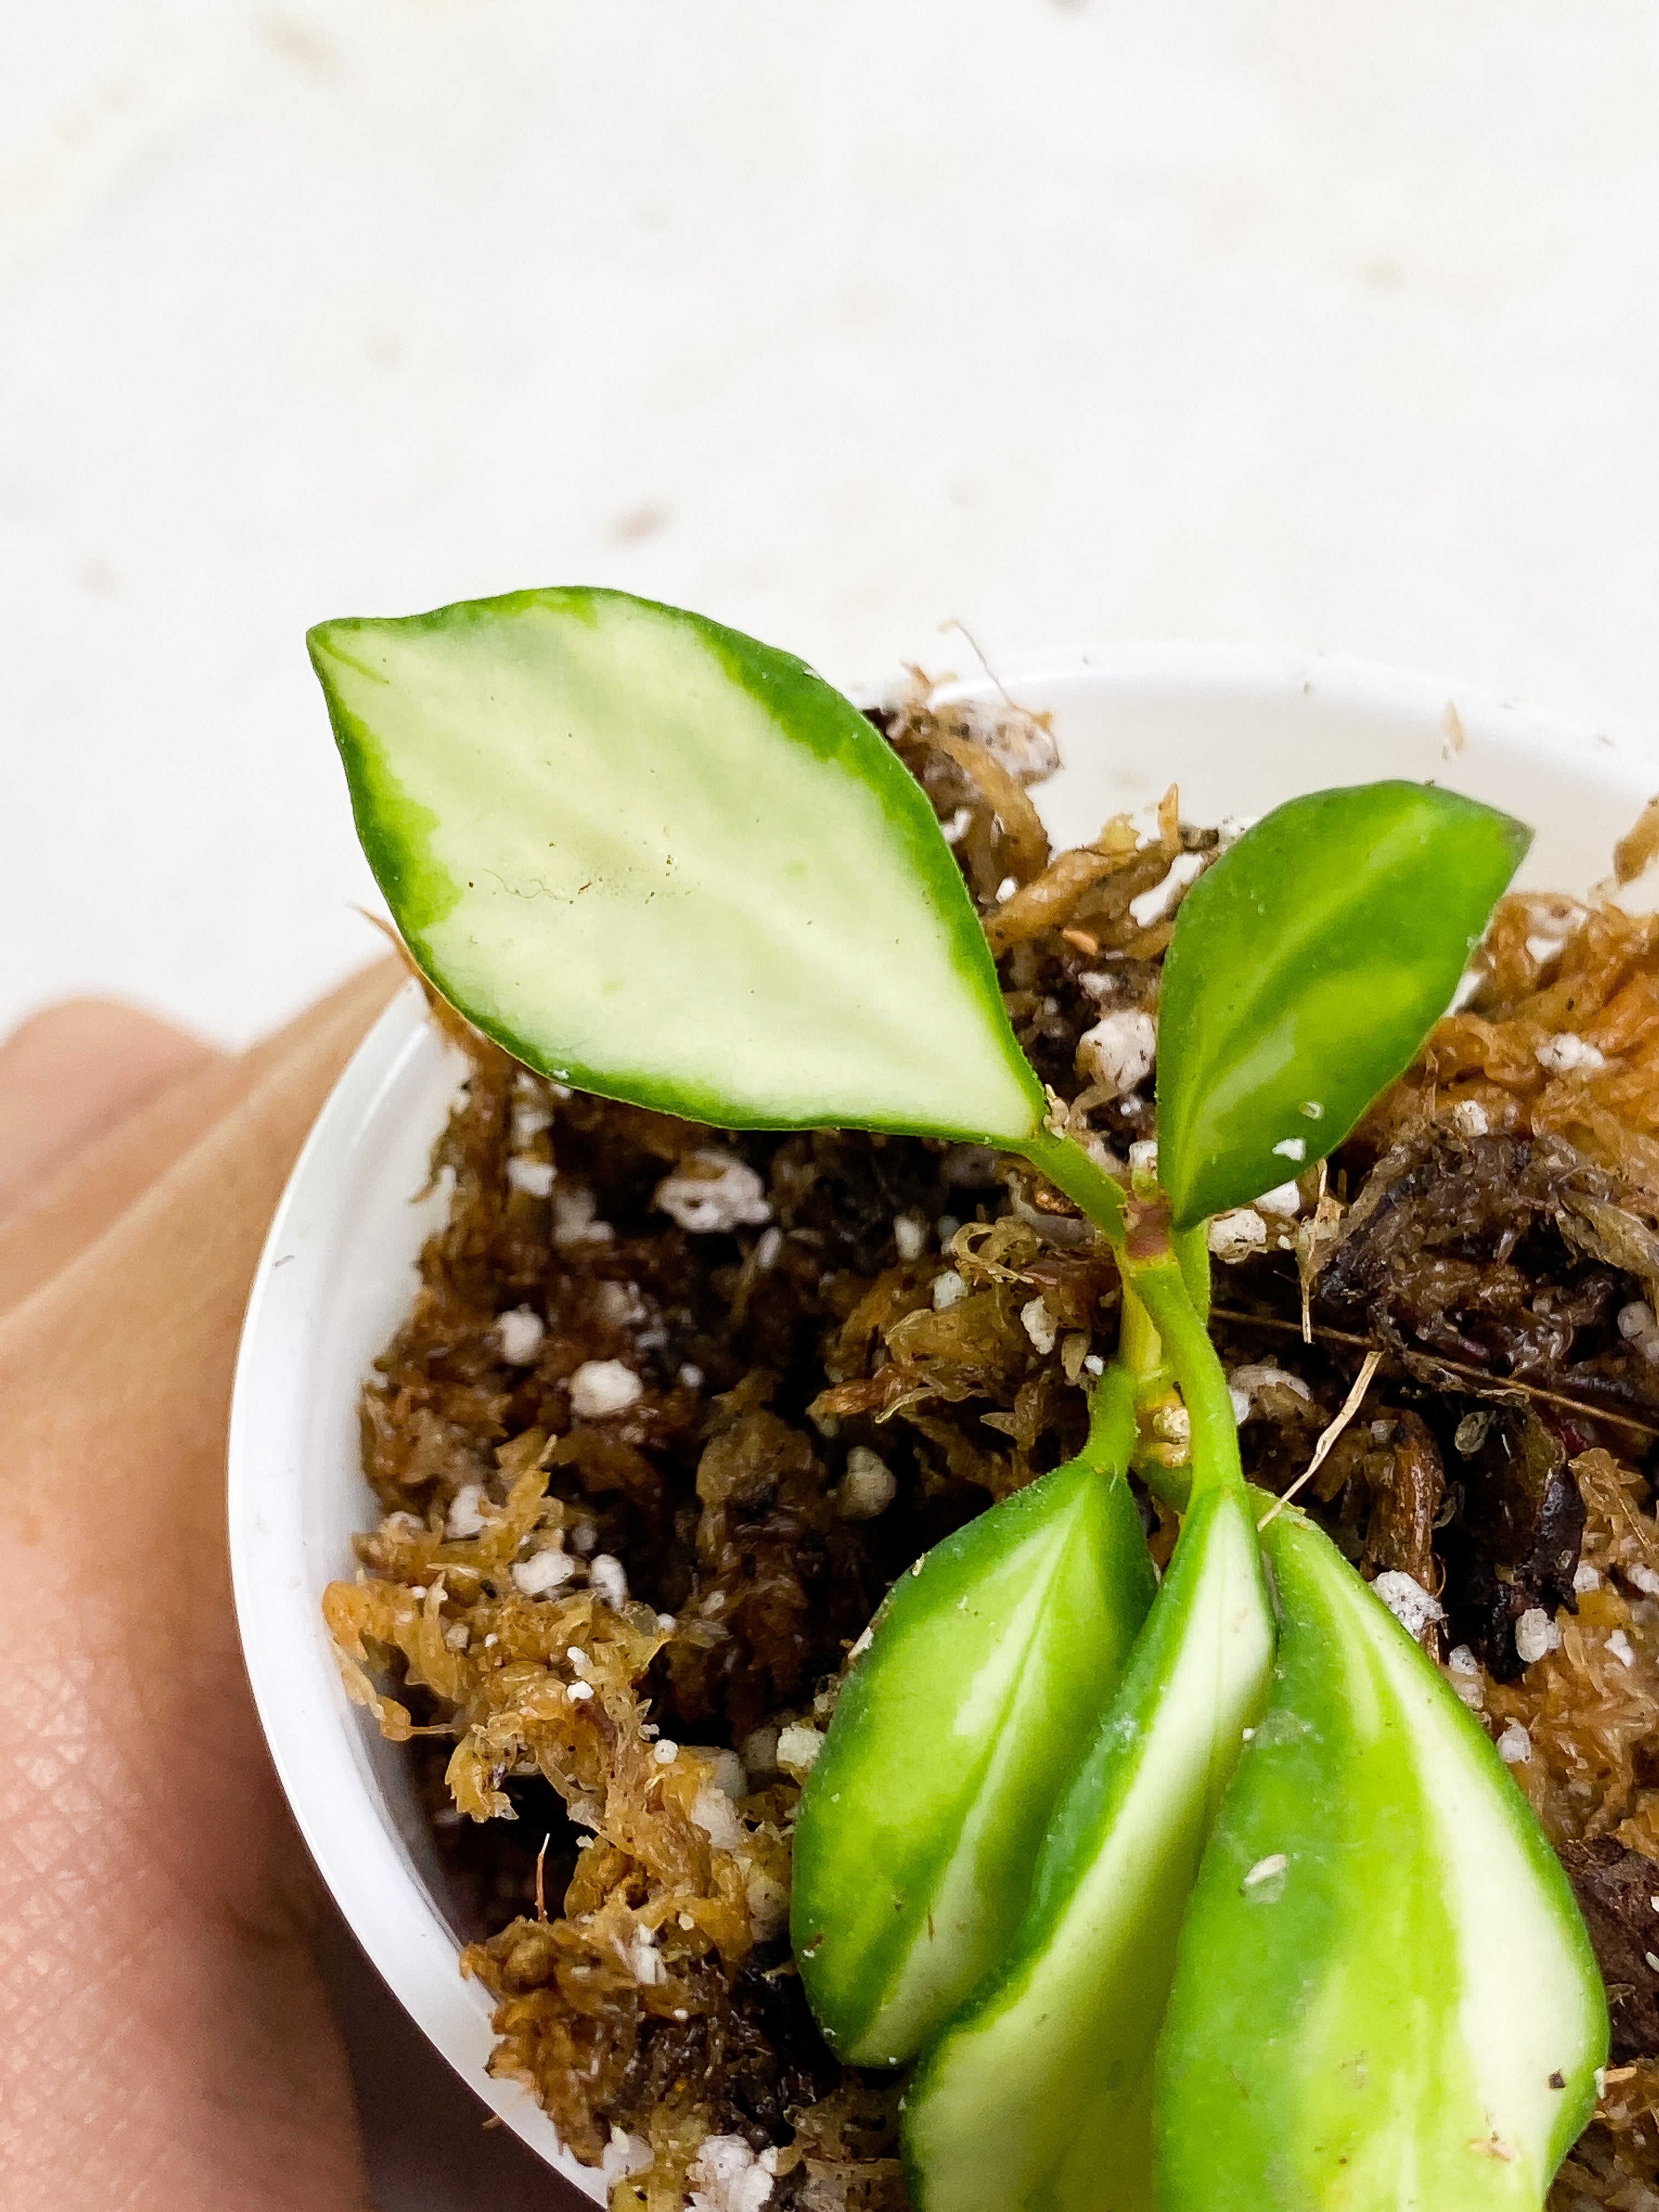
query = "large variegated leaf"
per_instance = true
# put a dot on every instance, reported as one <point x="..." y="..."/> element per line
<point x="668" y="864"/>
<point x="1037" y="2096"/>
<point x="1384" y="1994"/>
<point x="989" y="1670"/>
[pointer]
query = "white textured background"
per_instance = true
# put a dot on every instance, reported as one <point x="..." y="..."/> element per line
<point x="1329" y="327"/>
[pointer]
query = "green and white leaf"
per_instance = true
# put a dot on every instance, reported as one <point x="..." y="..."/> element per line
<point x="1385" y="2000"/>
<point x="1037" y="2097"/>
<point x="1306" y="969"/>
<point x="986" y="1674"/>
<point x="665" y="863"/>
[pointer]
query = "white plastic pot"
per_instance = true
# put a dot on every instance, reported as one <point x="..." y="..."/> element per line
<point x="1238" y="729"/>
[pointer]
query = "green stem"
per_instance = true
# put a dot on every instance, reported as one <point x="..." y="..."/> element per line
<point x="1111" y="1421"/>
<point x="1197" y="1370"/>
<point x="1171" y="1486"/>
<point x="1140" y="1351"/>
<point x="1166" y="1299"/>
<point x="1139" y="1346"/>
<point x="1069" y="1168"/>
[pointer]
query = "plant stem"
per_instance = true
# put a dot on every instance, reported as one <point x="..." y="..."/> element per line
<point x="1069" y="1168"/>
<point x="1197" y="1370"/>
<point x="1140" y="1352"/>
<point x="1111" y="1421"/>
<point x="1166" y="1296"/>
<point x="1139" y="1347"/>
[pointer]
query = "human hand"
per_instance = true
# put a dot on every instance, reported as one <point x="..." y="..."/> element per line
<point x="167" y="2042"/>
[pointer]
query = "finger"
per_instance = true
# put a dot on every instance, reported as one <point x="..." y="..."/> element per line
<point x="75" y="1070"/>
<point x="150" y="1934"/>
<point x="69" y="1206"/>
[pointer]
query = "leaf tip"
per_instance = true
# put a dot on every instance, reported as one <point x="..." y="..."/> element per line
<point x="319" y="642"/>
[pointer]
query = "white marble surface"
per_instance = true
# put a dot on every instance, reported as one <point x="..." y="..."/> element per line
<point x="1334" y="327"/>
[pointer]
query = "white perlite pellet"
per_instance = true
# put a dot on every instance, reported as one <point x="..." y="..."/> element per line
<point x="1514" y="1745"/>
<point x="465" y="1518"/>
<point x="909" y="1235"/>
<point x="1411" y="1606"/>
<point x="533" y="1177"/>
<point x="541" y="1573"/>
<point x="1535" y="1633"/>
<point x="712" y="1194"/>
<point x="519" y="1333"/>
<point x="600" y="1387"/>
<point x="1117" y="1053"/>
<point x="1039" y="1325"/>
<point x="768" y="1249"/>
<point x="867" y="1488"/>
<point x="798" y="1746"/>
<point x="1283" y="1202"/>
<point x="948" y="1288"/>
<point x="1557" y="1055"/>
<point x="1619" y="1647"/>
<point x="1247" y="1384"/>
<point x="529" y="1120"/>
<point x="1463" y="1672"/>
<point x="1235" y="1235"/>
<point x="608" y="1579"/>
<point x="574" y="1219"/>
<point x="1585" y="1577"/>
<point x="1469" y="1118"/>
<point x="1151" y="906"/>
<point x="768" y="1903"/>
<point x="711" y="1811"/>
<point x="726" y="2176"/>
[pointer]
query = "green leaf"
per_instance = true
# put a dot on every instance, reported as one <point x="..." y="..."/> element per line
<point x="667" y="864"/>
<point x="1385" y="1995"/>
<point x="1307" y="966"/>
<point x="1036" y="2098"/>
<point x="987" y="1672"/>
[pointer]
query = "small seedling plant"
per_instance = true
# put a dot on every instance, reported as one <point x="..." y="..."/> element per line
<point x="1202" y="1895"/>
